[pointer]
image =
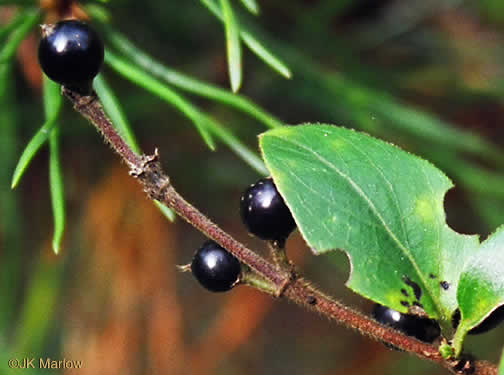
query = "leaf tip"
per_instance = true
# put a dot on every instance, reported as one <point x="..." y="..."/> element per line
<point x="212" y="146"/>
<point x="56" y="247"/>
<point x="236" y="81"/>
<point x="16" y="177"/>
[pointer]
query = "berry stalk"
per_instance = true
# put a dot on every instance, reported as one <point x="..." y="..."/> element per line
<point x="147" y="169"/>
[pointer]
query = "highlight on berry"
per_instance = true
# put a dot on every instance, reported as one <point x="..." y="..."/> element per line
<point x="423" y="329"/>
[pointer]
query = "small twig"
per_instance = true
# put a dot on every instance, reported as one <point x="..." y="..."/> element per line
<point x="91" y="109"/>
<point x="279" y="255"/>
<point x="147" y="169"/>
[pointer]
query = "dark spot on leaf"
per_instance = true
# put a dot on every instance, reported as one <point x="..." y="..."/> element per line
<point x="432" y="276"/>
<point x="455" y="319"/>
<point x="405" y="303"/>
<point x="311" y="300"/>
<point x="416" y="288"/>
<point x="405" y="292"/>
<point x="445" y="285"/>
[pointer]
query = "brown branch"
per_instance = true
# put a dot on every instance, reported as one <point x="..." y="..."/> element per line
<point x="147" y="169"/>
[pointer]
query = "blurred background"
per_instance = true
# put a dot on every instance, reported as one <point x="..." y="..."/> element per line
<point x="426" y="75"/>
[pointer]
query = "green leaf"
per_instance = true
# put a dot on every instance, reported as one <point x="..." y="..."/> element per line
<point x="98" y="12"/>
<point x="208" y="124"/>
<point x="53" y="99"/>
<point x="57" y="189"/>
<point x="52" y="106"/>
<point x="236" y="145"/>
<point x="6" y="29"/>
<point x="251" y="42"/>
<point x="151" y="84"/>
<point x="30" y="19"/>
<point x="257" y="47"/>
<point x="115" y="112"/>
<point x="205" y="122"/>
<point x="378" y="111"/>
<point x="251" y="6"/>
<point x="188" y="83"/>
<point x="233" y="45"/>
<point x="381" y="205"/>
<point x="481" y="287"/>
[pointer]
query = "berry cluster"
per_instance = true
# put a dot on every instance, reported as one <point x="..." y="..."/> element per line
<point x="265" y="215"/>
<point x="71" y="53"/>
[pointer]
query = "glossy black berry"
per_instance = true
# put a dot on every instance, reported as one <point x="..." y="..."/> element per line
<point x="492" y="321"/>
<point x="71" y="53"/>
<point x="215" y="268"/>
<point x="265" y="213"/>
<point x="424" y="329"/>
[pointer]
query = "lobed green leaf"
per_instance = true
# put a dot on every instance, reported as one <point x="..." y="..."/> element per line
<point x="381" y="205"/>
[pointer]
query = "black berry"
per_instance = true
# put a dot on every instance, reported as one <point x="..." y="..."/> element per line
<point x="215" y="268"/>
<point x="492" y="321"/>
<point x="424" y="329"/>
<point x="71" y="53"/>
<point x="265" y="213"/>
